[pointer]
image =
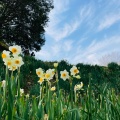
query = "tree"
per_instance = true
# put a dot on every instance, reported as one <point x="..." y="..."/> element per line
<point x="111" y="57"/>
<point x="22" y="22"/>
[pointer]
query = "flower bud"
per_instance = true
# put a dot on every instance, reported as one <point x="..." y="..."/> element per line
<point x="55" y="65"/>
<point x="78" y="77"/>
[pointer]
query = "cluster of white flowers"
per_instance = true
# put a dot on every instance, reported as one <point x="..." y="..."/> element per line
<point x="74" y="71"/>
<point x="12" y="58"/>
<point x="48" y="75"/>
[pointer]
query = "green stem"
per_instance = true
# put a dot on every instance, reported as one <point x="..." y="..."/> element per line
<point x="71" y="92"/>
<point x="10" y="96"/>
<point x="18" y="92"/>
<point x="89" y="98"/>
<point x="41" y="91"/>
<point x="75" y="96"/>
<point x="57" y="81"/>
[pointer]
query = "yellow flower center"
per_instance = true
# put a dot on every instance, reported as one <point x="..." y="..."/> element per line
<point x="64" y="75"/>
<point x="41" y="80"/>
<point x="14" y="50"/>
<point x="8" y="63"/>
<point x="38" y="73"/>
<point x="17" y="62"/>
<point x="4" y="55"/>
<point x="47" y="75"/>
<point x="14" y="67"/>
<point x="75" y="71"/>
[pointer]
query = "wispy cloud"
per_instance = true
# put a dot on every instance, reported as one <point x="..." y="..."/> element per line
<point x="108" y="21"/>
<point x="43" y="54"/>
<point x="68" y="45"/>
<point x="68" y="27"/>
<point x="96" y="50"/>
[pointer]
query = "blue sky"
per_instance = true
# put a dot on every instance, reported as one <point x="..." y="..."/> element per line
<point x="82" y="31"/>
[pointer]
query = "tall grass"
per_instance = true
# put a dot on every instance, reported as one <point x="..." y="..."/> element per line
<point x="52" y="106"/>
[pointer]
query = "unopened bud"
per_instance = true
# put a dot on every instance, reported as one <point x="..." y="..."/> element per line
<point x="55" y="65"/>
<point x="78" y="77"/>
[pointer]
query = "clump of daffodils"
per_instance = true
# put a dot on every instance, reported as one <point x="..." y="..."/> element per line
<point x="73" y="72"/>
<point x="48" y="75"/>
<point x="12" y="58"/>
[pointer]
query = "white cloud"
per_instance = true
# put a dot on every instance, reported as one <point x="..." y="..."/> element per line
<point x="108" y="21"/>
<point x="96" y="50"/>
<point x="69" y="26"/>
<point x="55" y="49"/>
<point x="43" y="54"/>
<point x="67" y="46"/>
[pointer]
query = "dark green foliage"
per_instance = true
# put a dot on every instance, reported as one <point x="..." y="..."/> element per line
<point x="2" y="69"/>
<point x="99" y="75"/>
<point x="23" y="22"/>
<point x="35" y="90"/>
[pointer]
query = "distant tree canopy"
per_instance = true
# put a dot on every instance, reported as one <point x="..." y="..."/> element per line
<point x="22" y="22"/>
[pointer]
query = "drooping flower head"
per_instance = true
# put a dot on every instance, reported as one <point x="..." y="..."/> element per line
<point x="74" y="70"/>
<point x="78" y="86"/>
<point x="64" y="75"/>
<point x="16" y="50"/>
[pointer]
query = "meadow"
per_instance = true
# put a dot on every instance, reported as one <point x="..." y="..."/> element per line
<point x="31" y="89"/>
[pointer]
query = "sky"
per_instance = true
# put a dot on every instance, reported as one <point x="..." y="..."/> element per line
<point x="82" y="31"/>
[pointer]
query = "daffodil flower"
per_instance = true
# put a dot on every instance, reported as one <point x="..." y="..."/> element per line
<point x="8" y="62"/>
<point x="64" y="75"/>
<point x="17" y="61"/>
<point x="16" y="50"/>
<point x="5" y="54"/>
<point x="74" y="70"/>
<point x="39" y="72"/>
<point x="41" y="80"/>
<point x="48" y="75"/>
